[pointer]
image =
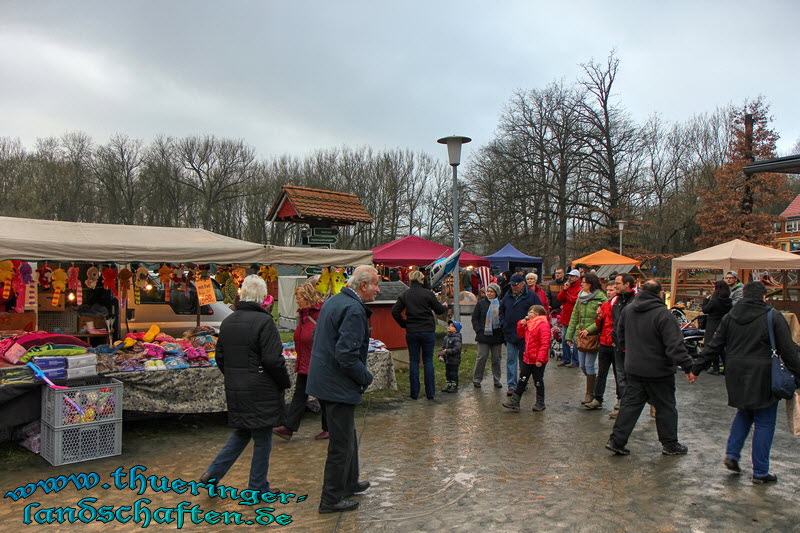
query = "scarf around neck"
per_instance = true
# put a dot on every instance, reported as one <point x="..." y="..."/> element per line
<point x="492" y="321"/>
<point x="584" y="296"/>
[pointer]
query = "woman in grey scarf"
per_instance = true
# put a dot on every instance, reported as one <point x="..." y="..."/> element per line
<point x="488" y="334"/>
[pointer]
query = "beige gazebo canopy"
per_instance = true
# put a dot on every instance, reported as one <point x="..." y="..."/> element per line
<point x="735" y="255"/>
<point x="53" y="240"/>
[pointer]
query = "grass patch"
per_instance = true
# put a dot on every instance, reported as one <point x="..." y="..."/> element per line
<point x="469" y="353"/>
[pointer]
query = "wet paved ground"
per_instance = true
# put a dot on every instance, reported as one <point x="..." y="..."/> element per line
<point x="463" y="463"/>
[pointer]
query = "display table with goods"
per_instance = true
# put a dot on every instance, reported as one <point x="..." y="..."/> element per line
<point x="202" y="390"/>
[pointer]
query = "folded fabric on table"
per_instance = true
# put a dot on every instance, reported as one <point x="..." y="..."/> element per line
<point x="15" y="348"/>
<point x="49" y="350"/>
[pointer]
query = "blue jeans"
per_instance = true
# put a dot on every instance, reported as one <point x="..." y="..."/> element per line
<point x="764" y="420"/>
<point x="237" y="442"/>
<point x="569" y="354"/>
<point x="421" y="342"/>
<point x="514" y="352"/>
<point x="587" y="361"/>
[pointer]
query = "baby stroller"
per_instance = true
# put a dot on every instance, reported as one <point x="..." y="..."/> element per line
<point x="555" y="338"/>
<point x="692" y="330"/>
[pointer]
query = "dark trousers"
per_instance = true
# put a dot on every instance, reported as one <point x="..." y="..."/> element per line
<point x="421" y="343"/>
<point x="525" y="373"/>
<point x="298" y="406"/>
<point x="605" y="360"/>
<point x="660" y="393"/>
<point x="259" y="464"/>
<point x="619" y="372"/>
<point x="341" y="466"/>
<point x="451" y="373"/>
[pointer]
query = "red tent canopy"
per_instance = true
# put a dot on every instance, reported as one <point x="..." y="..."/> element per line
<point x="417" y="251"/>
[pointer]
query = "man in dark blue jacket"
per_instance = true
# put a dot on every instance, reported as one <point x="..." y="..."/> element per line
<point x="337" y="377"/>
<point x="513" y="308"/>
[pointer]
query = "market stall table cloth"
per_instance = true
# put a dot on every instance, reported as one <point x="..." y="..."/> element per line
<point x="202" y="390"/>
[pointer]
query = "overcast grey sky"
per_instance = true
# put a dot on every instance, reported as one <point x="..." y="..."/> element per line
<point x="296" y="76"/>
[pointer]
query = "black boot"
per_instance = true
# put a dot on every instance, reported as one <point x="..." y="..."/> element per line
<point x="539" y="406"/>
<point x="512" y="403"/>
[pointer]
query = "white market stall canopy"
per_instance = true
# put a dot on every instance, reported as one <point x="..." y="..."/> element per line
<point x="53" y="240"/>
<point x="735" y="255"/>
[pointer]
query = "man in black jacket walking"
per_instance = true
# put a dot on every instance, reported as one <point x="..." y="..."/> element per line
<point x="744" y="335"/>
<point x="653" y="345"/>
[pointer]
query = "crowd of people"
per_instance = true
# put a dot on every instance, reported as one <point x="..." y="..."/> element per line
<point x="626" y="329"/>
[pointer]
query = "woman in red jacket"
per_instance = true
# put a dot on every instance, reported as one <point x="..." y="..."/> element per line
<point x="604" y="324"/>
<point x="309" y="302"/>
<point x="535" y="328"/>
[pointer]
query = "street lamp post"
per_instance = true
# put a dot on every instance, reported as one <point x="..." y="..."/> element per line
<point x="621" y="224"/>
<point x="454" y="155"/>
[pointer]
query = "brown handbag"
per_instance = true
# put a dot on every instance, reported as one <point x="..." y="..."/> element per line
<point x="589" y="343"/>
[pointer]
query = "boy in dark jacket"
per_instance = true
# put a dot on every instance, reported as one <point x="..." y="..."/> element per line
<point x="451" y="355"/>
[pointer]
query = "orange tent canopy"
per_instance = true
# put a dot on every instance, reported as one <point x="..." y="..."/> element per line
<point x="606" y="257"/>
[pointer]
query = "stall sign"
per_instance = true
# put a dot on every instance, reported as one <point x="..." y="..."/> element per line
<point x="205" y="292"/>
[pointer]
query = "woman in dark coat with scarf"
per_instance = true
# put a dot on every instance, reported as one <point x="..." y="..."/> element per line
<point x="250" y="356"/>
<point x="309" y="302"/>
<point x="488" y="334"/>
<point x="715" y="307"/>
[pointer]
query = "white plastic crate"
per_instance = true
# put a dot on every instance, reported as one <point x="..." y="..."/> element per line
<point x="82" y="443"/>
<point x="100" y="399"/>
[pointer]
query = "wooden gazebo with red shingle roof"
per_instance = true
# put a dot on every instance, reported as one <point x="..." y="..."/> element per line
<point x="317" y="207"/>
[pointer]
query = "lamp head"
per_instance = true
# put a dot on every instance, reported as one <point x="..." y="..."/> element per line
<point x="454" y="143"/>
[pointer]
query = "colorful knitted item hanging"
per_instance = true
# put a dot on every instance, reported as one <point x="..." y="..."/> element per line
<point x="338" y="281"/>
<point x="178" y="278"/>
<point x="59" y="285"/>
<point x="323" y="285"/>
<point x="110" y="280"/>
<point x="230" y="291"/>
<point x="6" y="277"/>
<point x="222" y="276"/>
<point x="74" y="283"/>
<point x="45" y="276"/>
<point x="26" y="273"/>
<point x="142" y="277"/>
<point x="92" y="276"/>
<point x="165" y="276"/>
<point x="124" y="279"/>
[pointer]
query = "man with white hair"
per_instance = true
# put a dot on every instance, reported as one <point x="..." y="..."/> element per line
<point x="337" y="377"/>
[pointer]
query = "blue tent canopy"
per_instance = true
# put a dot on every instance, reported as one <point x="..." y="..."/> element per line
<point x="509" y="258"/>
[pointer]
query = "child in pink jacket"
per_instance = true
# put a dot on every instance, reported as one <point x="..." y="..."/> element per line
<point x="536" y="330"/>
